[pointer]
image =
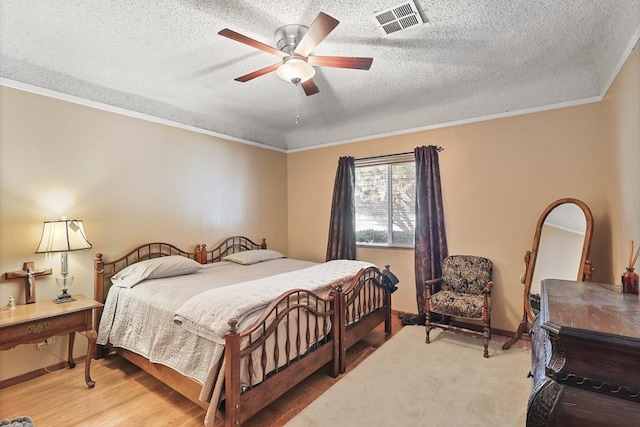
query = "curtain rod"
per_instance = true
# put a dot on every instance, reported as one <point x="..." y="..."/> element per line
<point x="438" y="148"/>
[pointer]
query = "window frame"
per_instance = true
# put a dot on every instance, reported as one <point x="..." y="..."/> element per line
<point x="387" y="160"/>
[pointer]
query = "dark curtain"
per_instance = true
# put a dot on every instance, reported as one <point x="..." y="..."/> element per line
<point x="430" y="237"/>
<point x="342" y="228"/>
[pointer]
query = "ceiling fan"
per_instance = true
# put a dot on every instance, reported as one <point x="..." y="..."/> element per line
<point x="294" y="44"/>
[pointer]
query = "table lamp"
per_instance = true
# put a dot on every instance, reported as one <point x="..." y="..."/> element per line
<point x="63" y="235"/>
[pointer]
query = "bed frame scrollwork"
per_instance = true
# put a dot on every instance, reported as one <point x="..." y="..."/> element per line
<point x="313" y="331"/>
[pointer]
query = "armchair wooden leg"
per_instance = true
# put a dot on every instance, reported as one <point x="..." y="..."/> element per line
<point x="486" y="337"/>
<point x="427" y="312"/>
<point x="427" y="324"/>
<point x="486" y="324"/>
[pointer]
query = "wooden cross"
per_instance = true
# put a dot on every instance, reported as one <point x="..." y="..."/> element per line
<point x="29" y="275"/>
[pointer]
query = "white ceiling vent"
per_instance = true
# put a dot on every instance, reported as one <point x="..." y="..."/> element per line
<point x="399" y="17"/>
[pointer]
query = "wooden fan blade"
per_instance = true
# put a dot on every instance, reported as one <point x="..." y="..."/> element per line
<point x="340" y="62"/>
<point x="225" y="32"/>
<point x="319" y="29"/>
<point x="310" y="87"/>
<point x="258" y="73"/>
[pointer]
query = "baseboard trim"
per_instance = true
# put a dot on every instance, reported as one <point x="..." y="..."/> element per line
<point x="38" y="373"/>
<point x="472" y="326"/>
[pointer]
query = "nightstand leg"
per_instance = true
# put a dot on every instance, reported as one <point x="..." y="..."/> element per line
<point x="70" y="361"/>
<point x="92" y="337"/>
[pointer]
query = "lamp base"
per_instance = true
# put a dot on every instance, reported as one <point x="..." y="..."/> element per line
<point x="64" y="297"/>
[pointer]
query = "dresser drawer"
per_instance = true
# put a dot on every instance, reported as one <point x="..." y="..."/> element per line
<point x="38" y="330"/>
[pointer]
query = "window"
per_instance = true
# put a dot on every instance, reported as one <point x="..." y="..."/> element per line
<point x="385" y="201"/>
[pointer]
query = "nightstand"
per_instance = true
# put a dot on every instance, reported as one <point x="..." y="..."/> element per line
<point x="32" y="323"/>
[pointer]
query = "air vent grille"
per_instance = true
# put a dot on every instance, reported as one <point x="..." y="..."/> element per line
<point x="409" y="21"/>
<point x="386" y="17"/>
<point x="399" y="17"/>
<point x="403" y="10"/>
<point x="392" y="27"/>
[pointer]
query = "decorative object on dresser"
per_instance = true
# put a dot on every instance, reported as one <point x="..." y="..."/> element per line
<point x="586" y="356"/>
<point x="32" y="323"/>
<point x="465" y="291"/>
<point x="294" y="333"/>
<point x="63" y="235"/>
<point x="630" y="277"/>
<point x="29" y="274"/>
<point x="560" y="250"/>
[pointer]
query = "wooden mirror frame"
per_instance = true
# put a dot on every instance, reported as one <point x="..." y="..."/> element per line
<point x="585" y="268"/>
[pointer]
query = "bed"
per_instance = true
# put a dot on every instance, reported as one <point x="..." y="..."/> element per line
<point x="303" y="327"/>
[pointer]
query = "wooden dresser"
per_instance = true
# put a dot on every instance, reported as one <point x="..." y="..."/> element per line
<point x="586" y="357"/>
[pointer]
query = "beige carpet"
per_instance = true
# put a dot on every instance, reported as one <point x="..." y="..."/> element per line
<point x="446" y="383"/>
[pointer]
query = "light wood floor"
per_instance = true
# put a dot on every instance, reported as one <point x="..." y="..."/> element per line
<point x="126" y="396"/>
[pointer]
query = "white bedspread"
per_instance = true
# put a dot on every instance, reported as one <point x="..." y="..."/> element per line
<point x="151" y="331"/>
<point x="207" y="314"/>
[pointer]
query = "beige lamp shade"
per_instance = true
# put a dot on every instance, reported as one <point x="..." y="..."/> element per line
<point x="63" y="235"/>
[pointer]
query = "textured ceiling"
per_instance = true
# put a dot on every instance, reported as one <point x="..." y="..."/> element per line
<point x="163" y="58"/>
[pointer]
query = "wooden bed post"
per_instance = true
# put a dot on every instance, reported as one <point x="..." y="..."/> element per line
<point x="203" y="254"/>
<point x="98" y="278"/>
<point x="233" y="411"/>
<point x="198" y="254"/>
<point x="342" y="327"/>
<point x="337" y="319"/>
<point x="98" y="294"/>
<point x="264" y="243"/>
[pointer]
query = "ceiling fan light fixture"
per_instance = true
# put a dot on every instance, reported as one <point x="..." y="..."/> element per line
<point x="295" y="43"/>
<point x="295" y="68"/>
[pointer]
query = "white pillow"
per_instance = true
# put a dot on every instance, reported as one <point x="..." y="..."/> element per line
<point x="156" y="268"/>
<point x="254" y="256"/>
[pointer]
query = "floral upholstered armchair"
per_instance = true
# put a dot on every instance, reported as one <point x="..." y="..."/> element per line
<point x="465" y="292"/>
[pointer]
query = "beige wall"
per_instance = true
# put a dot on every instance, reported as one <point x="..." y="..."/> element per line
<point x="498" y="176"/>
<point x="131" y="181"/>
<point x="621" y="107"/>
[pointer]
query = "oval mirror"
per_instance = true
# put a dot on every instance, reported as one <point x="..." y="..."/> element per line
<point x="560" y="250"/>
